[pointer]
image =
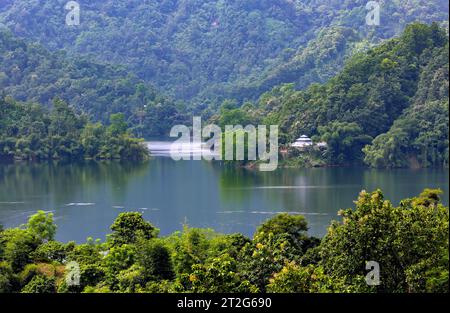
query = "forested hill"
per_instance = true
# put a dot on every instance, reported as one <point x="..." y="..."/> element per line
<point x="31" y="132"/>
<point x="207" y="49"/>
<point x="29" y="72"/>
<point x="388" y="106"/>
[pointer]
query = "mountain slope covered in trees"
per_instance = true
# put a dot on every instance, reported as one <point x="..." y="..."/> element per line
<point x="29" y="72"/>
<point x="420" y="136"/>
<point x="388" y="106"/>
<point x="208" y="49"/>
<point x="392" y="99"/>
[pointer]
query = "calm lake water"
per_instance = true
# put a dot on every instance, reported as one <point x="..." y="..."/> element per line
<point x="86" y="197"/>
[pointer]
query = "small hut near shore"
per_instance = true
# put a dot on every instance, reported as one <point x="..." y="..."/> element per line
<point x="302" y="142"/>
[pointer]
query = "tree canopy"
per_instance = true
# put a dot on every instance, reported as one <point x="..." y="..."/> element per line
<point x="31" y="132"/>
<point x="206" y="49"/>
<point x="387" y="107"/>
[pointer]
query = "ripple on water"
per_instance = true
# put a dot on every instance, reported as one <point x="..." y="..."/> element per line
<point x="80" y="204"/>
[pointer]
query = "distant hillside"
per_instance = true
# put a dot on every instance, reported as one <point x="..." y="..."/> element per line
<point x="209" y="49"/>
<point x="29" y="72"/>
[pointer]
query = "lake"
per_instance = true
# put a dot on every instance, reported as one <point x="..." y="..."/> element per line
<point x="86" y="197"/>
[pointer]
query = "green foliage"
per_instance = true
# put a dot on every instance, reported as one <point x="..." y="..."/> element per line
<point x="293" y="225"/>
<point x="62" y="134"/>
<point x="49" y="252"/>
<point x="40" y="284"/>
<point x="230" y="115"/>
<point x="155" y="259"/>
<point x="189" y="248"/>
<point x="429" y="275"/>
<point x="31" y="73"/>
<point x="6" y="278"/>
<point x="229" y="244"/>
<point x="129" y="227"/>
<point x="118" y="126"/>
<point x="91" y="275"/>
<point x="291" y="279"/>
<point x="204" y="48"/>
<point x="403" y="240"/>
<point x="310" y="279"/>
<point x="388" y="106"/>
<point x="218" y="276"/>
<point x="28" y="273"/>
<point x="410" y="242"/>
<point x="345" y="141"/>
<point x="118" y="258"/>
<point x="19" y="244"/>
<point x="2" y="242"/>
<point x="87" y="253"/>
<point x="277" y="241"/>
<point x="131" y="279"/>
<point x="163" y="286"/>
<point x="387" y="91"/>
<point x="41" y="225"/>
<point x="285" y="226"/>
<point x="419" y="137"/>
<point x="265" y="256"/>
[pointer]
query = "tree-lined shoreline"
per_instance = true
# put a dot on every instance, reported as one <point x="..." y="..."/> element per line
<point x="31" y="132"/>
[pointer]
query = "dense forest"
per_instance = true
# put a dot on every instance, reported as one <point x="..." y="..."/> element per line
<point x="409" y="242"/>
<point x="31" y="132"/>
<point x="383" y="102"/>
<point x="29" y="72"/>
<point x="207" y="50"/>
<point x="388" y="106"/>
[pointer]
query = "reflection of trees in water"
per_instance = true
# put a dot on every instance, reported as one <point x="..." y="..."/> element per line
<point x="319" y="192"/>
<point x="233" y="181"/>
<point x="64" y="179"/>
<point x="238" y="185"/>
<point x="402" y="183"/>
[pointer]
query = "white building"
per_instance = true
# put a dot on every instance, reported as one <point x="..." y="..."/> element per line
<point x="302" y="142"/>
